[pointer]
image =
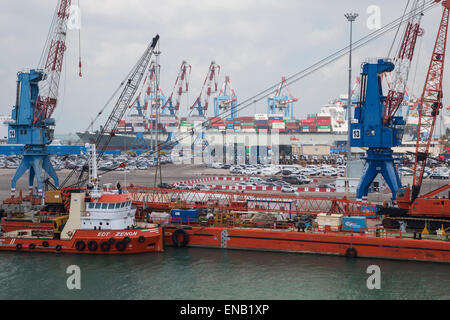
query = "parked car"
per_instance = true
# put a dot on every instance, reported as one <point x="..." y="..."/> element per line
<point x="200" y="186"/>
<point x="183" y="186"/>
<point x="292" y="179"/>
<point x="164" y="186"/>
<point x="287" y="188"/>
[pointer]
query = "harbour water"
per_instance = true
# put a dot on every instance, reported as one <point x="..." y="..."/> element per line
<point x="211" y="274"/>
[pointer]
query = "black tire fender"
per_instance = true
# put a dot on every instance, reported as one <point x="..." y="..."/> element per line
<point x="105" y="246"/>
<point x="351" y="253"/>
<point x="121" y="245"/>
<point x="141" y="239"/>
<point x="92" y="245"/>
<point x="19" y="246"/>
<point x="58" y="248"/>
<point x="31" y="246"/>
<point x="80" y="245"/>
<point x="175" y="236"/>
<point x="45" y="244"/>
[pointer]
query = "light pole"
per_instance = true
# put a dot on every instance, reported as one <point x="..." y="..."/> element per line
<point x="350" y="17"/>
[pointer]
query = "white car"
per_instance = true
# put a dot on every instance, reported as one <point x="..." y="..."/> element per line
<point x="250" y="171"/>
<point x="255" y="180"/>
<point x="201" y="187"/>
<point x="287" y="188"/>
<point x="183" y="186"/>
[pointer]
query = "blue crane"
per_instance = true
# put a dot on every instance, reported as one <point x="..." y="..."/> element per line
<point x="369" y="131"/>
<point x="32" y="124"/>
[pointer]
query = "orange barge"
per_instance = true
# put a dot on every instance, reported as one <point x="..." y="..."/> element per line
<point x="368" y="243"/>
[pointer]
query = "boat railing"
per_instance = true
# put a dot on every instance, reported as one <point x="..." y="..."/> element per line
<point x="283" y="226"/>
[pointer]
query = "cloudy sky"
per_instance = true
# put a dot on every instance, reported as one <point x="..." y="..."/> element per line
<point x="255" y="42"/>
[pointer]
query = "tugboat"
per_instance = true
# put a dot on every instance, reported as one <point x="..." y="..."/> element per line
<point x="99" y="221"/>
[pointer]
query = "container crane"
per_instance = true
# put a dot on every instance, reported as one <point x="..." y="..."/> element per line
<point x="36" y="100"/>
<point x="181" y="86"/>
<point x="226" y="100"/>
<point x="209" y="86"/>
<point x="281" y="101"/>
<point x="152" y="95"/>
<point x="207" y="90"/>
<point x="125" y="100"/>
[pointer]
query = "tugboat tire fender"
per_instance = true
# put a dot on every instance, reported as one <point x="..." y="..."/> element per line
<point x="92" y="245"/>
<point x="121" y="245"/>
<point x="80" y="245"/>
<point x="105" y="246"/>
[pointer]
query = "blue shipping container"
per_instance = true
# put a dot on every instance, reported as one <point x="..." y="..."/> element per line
<point x="354" y="223"/>
<point x="185" y="216"/>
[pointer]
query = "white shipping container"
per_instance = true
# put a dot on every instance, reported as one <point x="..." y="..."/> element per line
<point x="278" y="125"/>
<point x="261" y="116"/>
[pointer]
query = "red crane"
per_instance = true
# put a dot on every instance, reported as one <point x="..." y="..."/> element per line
<point x="181" y="86"/>
<point x="54" y="50"/>
<point x="211" y="77"/>
<point x="430" y="102"/>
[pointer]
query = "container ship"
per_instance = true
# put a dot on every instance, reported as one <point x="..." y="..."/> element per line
<point x="326" y="127"/>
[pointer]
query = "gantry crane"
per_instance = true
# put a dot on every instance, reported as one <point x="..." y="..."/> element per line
<point x="282" y="100"/>
<point x="180" y="87"/>
<point x="226" y="100"/>
<point x="201" y="104"/>
<point x="153" y="95"/>
<point x="36" y="99"/>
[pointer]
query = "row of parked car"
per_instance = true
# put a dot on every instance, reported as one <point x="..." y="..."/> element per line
<point x="106" y="162"/>
<point x="435" y="173"/>
<point x="285" y="170"/>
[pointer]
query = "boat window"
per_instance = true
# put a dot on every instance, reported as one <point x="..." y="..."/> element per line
<point x="122" y="204"/>
<point x="104" y="206"/>
<point x="98" y="205"/>
<point x="117" y="205"/>
<point x="91" y="205"/>
<point x="111" y="206"/>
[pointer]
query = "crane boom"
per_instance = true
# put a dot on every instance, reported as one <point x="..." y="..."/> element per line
<point x="122" y="104"/>
<point x="430" y="102"/>
<point x="54" y="49"/>
<point x="402" y="62"/>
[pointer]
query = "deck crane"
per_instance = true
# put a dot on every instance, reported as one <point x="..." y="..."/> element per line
<point x="376" y="126"/>
<point x="36" y="99"/>
<point x="430" y="103"/>
<point x="201" y="103"/>
<point x="181" y="86"/>
<point x="226" y="100"/>
<point x="281" y="101"/>
<point x="131" y="85"/>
